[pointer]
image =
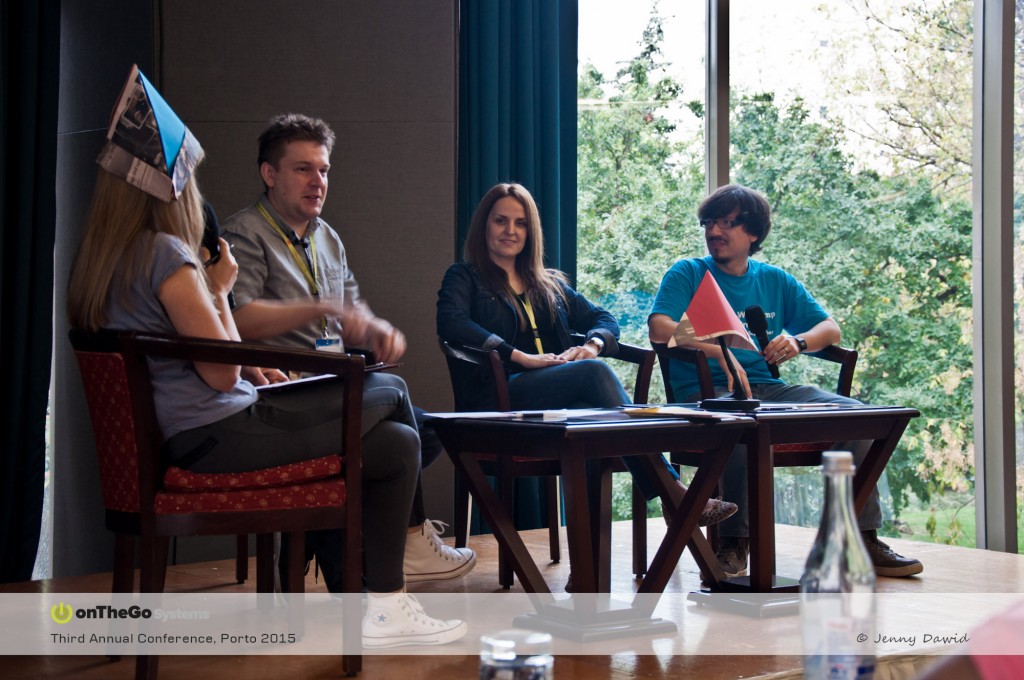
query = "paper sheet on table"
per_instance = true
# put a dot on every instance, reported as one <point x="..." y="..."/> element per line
<point x="553" y="414"/>
<point x="692" y="413"/>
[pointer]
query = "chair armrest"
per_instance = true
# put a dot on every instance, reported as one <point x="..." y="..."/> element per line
<point x="474" y="355"/>
<point x="351" y="368"/>
<point x="847" y="360"/>
<point x="641" y="356"/>
<point x="691" y="355"/>
<point x="368" y="355"/>
<point x="644" y="360"/>
<point x="244" y="354"/>
<point x="487" y="360"/>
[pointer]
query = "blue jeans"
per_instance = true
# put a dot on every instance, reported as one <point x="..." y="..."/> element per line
<point x="578" y="384"/>
<point x="734" y="479"/>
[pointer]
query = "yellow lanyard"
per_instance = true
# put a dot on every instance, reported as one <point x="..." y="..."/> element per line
<point x="533" y="322"/>
<point x="310" y="276"/>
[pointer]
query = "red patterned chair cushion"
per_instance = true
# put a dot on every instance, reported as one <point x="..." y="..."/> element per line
<point x="320" y="494"/>
<point x="179" y="480"/>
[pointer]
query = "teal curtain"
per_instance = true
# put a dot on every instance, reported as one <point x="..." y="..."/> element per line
<point x="29" y="82"/>
<point x="517" y="112"/>
<point x="517" y="123"/>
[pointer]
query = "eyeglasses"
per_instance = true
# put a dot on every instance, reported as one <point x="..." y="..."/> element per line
<point x="723" y="222"/>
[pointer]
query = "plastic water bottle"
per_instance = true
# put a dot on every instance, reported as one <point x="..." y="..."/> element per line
<point x="837" y="601"/>
<point x="516" y="654"/>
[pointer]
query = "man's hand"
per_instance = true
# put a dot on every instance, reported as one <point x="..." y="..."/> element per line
<point x="536" y="360"/>
<point x="263" y="376"/>
<point x="739" y="371"/>
<point x="388" y="343"/>
<point x="782" y="348"/>
<point x="360" y="328"/>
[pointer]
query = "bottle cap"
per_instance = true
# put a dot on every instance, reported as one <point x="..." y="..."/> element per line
<point x="837" y="462"/>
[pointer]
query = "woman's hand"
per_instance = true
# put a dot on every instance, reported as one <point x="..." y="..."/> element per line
<point x="223" y="272"/>
<point x="536" y="360"/>
<point x="580" y="352"/>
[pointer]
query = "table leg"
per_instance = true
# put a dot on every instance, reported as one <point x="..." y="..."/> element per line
<point x="500" y="521"/>
<point x="578" y="523"/>
<point x="761" y="508"/>
<point x="599" y="493"/>
<point x="506" y="485"/>
<point x="682" y="530"/>
<point x="873" y="465"/>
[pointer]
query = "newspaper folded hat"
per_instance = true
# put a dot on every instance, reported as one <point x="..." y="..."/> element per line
<point x="148" y="145"/>
<point x="710" y="316"/>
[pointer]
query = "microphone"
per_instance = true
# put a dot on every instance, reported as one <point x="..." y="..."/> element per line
<point x="758" y="325"/>
<point x="211" y="232"/>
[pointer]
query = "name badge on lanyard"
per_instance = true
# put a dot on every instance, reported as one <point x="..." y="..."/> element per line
<point x="330" y="344"/>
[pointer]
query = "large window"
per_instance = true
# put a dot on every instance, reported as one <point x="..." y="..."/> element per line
<point x="855" y="118"/>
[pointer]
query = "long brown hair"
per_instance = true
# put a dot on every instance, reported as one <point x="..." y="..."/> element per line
<point x="543" y="285"/>
<point x="120" y="215"/>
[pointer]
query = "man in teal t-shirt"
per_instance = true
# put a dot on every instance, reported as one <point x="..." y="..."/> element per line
<point x="736" y="222"/>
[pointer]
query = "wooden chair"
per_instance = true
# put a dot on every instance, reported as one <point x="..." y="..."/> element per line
<point x="464" y="362"/>
<point x="148" y="502"/>
<point x="784" y="455"/>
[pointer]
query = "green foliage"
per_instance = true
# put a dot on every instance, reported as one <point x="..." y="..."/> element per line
<point x="914" y="65"/>
<point x="890" y="259"/>
<point x="638" y="187"/>
<point x="889" y="255"/>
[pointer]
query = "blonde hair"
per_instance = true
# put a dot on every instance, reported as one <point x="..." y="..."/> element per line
<point x="543" y="285"/>
<point x="119" y="216"/>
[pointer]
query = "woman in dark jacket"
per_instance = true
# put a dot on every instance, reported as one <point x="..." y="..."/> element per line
<point x="503" y="298"/>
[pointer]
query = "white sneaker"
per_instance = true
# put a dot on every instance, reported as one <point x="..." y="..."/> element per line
<point x="427" y="558"/>
<point x="399" y="619"/>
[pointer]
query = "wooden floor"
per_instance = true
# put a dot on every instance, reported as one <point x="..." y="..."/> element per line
<point x="947" y="570"/>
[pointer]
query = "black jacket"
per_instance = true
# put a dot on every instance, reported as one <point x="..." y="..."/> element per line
<point x="469" y="314"/>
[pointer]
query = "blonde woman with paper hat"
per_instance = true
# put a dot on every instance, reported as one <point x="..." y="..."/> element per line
<point x="140" y="267"/>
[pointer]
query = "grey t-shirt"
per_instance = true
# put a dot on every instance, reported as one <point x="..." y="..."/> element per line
<point x="267" y="269"/>
<point x="183" y="400"/>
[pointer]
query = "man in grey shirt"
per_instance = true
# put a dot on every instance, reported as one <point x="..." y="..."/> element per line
<point x="295" y="288"/>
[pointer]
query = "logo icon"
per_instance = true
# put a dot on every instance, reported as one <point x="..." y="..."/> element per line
<point x="62" y="613"/>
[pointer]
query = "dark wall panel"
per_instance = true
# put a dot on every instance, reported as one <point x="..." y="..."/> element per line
<point x="383" y="73"/>
<point x="97" y="49"/>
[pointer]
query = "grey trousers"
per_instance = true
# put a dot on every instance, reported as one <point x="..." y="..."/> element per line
<point x="304" y="422"/>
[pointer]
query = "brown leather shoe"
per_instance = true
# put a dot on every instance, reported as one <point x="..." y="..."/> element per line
<point x="714" y="511"/>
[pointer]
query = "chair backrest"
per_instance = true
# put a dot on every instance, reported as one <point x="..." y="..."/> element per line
<point x="846" y="358"/>
<point x="690" y="355"/>
<point x="478" y="378"/>
<point x="124" y="426"/>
